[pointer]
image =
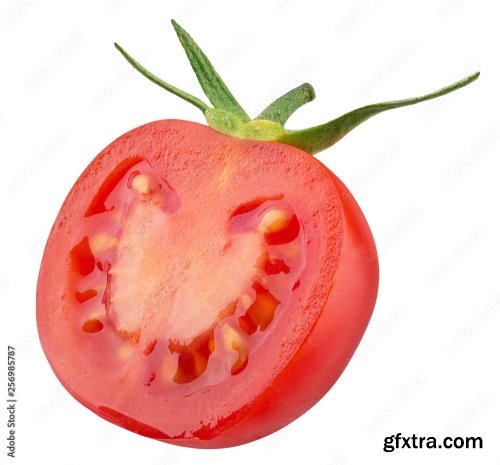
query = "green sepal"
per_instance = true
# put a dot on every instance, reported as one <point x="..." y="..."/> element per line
<point x="210" y="81"/>
<point x="160" y="82"/>
<point x="228" y="123"/>
<point x="230" y="118"/>
<point x="283" y="107"/>
<point x="318" y="138"/>
<point x="223" y="121"/>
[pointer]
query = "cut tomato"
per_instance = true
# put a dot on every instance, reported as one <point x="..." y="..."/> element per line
<point x="190" y="287"/>
<point x="207" y="285"/>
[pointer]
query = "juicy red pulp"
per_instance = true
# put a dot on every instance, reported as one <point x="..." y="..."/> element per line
<point x="128" y="316"/>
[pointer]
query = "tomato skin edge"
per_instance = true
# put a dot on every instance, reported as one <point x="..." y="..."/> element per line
<point x="332" y="340"/>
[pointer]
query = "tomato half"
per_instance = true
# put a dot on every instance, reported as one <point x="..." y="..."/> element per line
<point x="201" y="289"/>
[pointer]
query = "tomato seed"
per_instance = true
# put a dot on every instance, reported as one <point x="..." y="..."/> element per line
<point x="246" y="301"/>
<point x="274" y="220"/>
<point x="235" y="342"/>
<point x="261" y="312"/>
<point x="101" y="242"/>
<point x="141" y="184"/>
<point x="239" y="365"/>
<point x="125" y="352"/>
<point x="282" y="231"/>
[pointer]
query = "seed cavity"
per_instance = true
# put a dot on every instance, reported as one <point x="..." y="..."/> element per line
<point x="275" y="266"/>
<point x="149" y="347"/>
<point x="92" y="326"/>
<point x="84" y="296"/>
<point x="81" y="257"/>
<point x="247" y="207"/>
<point x="190" y="365"/>
<point x="127" y="251"/>
<point x="99" y="202"/>
<point x="152" y="377"/>
<point x="261" y="313"/>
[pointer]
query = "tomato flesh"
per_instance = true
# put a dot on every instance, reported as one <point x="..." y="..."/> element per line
<point x="186" y="273"/>
<point x="140" y="275"/>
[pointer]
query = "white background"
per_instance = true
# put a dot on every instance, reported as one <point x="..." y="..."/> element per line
<point x="425" y="176"/>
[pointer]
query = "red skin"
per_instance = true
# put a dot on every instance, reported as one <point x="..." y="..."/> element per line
<point x="329" y="313"/>
<point x="337" y="332"/>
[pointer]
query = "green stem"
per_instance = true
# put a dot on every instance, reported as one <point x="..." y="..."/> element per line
<point x="164" y="85"/>
<point x="283" y="107"/>
<point x="229" y="117"/>
<point x="318" y="138"/>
